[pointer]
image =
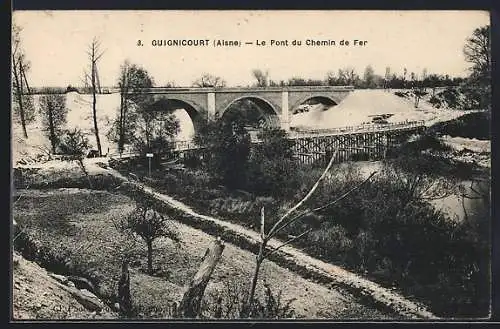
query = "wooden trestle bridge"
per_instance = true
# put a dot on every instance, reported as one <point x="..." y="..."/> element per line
<point x="353" y="143"/>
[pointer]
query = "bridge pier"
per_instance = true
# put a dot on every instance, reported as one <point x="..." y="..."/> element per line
<point x="211" y="105"/>
<point x="285" y="114"/>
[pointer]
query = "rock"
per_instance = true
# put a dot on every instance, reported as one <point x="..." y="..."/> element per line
<point x="87" y="299"/>
<point x="87" y="293"/>
<point x="82" y="283"/>
<point x="70" y="284"/>
<point x="60" y="278"/>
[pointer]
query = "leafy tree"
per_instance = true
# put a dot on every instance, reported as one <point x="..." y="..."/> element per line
<point x="23" y="100"/>
<point x="209" y="80"/>
<point x="331" y="79"/>
<point x="53" y="110"/>
<point x="246" y="112"/>
<point x="346" y="76"/>
<point x="271" y="167"/>
<point x="228" y="148"/>
<point x="154" y="133"/>
<point x="262" y="77"/>
<point x="131" y="81"/>
<point x="369" y="77"/>
<point x="75" y="145"/>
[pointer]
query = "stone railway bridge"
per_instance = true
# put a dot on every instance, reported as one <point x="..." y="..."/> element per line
<point x="276" y="103"/>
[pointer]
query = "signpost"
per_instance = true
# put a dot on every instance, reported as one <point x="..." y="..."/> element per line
<point x="149" y="156"/>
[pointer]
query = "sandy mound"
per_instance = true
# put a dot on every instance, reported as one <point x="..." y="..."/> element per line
<point x="361" y="105"/>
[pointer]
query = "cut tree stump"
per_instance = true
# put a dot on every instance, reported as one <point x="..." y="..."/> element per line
<point x="190" y="304"/>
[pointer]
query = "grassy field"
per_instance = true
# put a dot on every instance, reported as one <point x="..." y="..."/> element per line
<point x="75" y="232"/>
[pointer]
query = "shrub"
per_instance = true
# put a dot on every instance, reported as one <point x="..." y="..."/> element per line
<point x="228" y="302"/>
<point x="401" y="94"/>
<point x="471" y="125"/>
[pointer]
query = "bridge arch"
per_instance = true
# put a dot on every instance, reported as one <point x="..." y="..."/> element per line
<point x="194" y="111"/>
<point x="314" y="99"/>
<point x="269" y="114"/>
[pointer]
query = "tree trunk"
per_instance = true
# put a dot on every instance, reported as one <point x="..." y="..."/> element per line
<point x="94" y="111"/>
<point x="82" y="166"/>
<point x="51" y="128"/>
<point x="150" y="256"/>
<point x="248" y="309"/>
<point x="190" y="304"/>
<point x="124" y="298"/>
<point x="121" y="130"/>
<point x="19" y="96"/>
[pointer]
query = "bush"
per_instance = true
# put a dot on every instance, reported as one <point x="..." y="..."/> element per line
<point x="229" y="303"/>
<point x="271" y="169"/>
<point x="406" y="243"/>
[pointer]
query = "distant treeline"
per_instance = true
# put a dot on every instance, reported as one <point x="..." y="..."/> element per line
<point x="69" y="88"/>
<point x="373" y="81"/>
<point x="343" y="78"/>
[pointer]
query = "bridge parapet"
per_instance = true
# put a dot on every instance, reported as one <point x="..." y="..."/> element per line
<point x="175" y="90"/>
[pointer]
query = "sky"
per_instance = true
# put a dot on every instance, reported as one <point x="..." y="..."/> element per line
<point x="55" y="42"/>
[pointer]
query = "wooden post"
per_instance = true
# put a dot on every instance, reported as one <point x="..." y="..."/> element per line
<point x="190" y="304"/>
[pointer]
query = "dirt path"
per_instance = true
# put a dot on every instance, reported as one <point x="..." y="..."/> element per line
<point x="312" y="300"/>
<point x="334" y="274"/>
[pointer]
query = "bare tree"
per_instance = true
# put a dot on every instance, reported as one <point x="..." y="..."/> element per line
<point x="148" y="224"/>
<point x="387" y="77"/>
<point x="262" y="77"/>
<point x="54" y="112"/>
<point x="23" y="99"/>
<point x="286" y="220"/>
<point x="347" y="76"/>
<point x="477" y="51"/>
<point x="123" y="84"/>
<point x="209" y="80"/>
<point x="94" y="54"/>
